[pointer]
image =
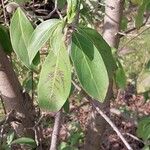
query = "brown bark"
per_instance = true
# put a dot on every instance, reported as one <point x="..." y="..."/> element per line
<point x="14" y="99"/>
<point x="97" y="125"/>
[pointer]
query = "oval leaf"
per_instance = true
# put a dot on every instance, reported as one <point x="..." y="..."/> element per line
<point x="40" y="36"/>
<point x="25" y="141"/>
<point x="89" y="66"/>
<point x="55" y="80"/>
<point x="20" y="33"/>
<point x="102" y="46"/>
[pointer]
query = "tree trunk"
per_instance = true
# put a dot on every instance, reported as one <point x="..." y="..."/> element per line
<point x="14" y="99"/>
<point x="97" y="125"/>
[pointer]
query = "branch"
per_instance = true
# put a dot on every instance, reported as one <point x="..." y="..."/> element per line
<point x="106" y="118"/>
<point x="56" y="130"/>
<point x="111" y="124"/>
<point x="134" y="28"/>
<point x="53" y="11"/>
<point x="4" y="12"/>
<point x="134" y="38"/>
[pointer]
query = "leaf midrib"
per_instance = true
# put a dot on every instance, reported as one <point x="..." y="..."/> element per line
<point x="55" y="75"/>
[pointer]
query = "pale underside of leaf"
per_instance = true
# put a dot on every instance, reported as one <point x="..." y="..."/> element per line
<point x="20" y="32"/>
<point x="40" y="36"/>
<point x="55" y="81"/>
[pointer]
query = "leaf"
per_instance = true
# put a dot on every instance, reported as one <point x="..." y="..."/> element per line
<point x="10" y="137"/>
<point x="55" y="39"/>
<point x="120" y="76"/>
<point x="66" y="106"/>
<point x="20" y="33"/>
<point x="72" y="8"/>
<point x="140" y="14"/>
<point x="103" y="48"/>
<point x="90" y="67"/>
<point x="146" y="147"/>
<point x="55" y="80"/>
<point x="40" y="36"/>
<point x="148" y="65"/>
<point x="143" y="130"/>
<point x="143" y="82"/>
<point x="25" y="141"/>
<point x="28" y="84"/>
<point x="5" y="39"/>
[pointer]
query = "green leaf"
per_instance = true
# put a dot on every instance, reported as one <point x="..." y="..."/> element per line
<point x="55" y="39"/>
<point x="146" y="147"/>
<point x="148" y="65"/>
<point x="20" y="33"/>
<point x="103" y="48"/>
<point x="25" y="141"/>
<point x="66" y="106"/>
<point x="72" y="8"/>
<point x="143" y="82"/>
<point x="40" y="36"/>
<point x="10" y="137"/>
<point x="120" y="76"/>
<point x="143" y="130"/>
<point x="90" y="67"/>
<point x="140" y="14"/>
<point x="5" y="39"/>
<point x="55" y="80"/>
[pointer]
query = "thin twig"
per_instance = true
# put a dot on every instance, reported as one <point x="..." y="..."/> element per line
<point x="111" y="124"/>
<point x="134" y="37"/>
<point x="56" y="129"/>
<point x="32" y="85"/>
<point x="133" y="137"/>
<point x="106" y="118"/>
<point x="134" y="28"/>
<point x="2" y="102"/>
<point x="53" y="11"/>
<point x="4" y="12"/>
<point x="37" y="131"/>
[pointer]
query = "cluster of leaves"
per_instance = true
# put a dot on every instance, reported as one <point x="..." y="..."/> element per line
<point x="89" y="58"/>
